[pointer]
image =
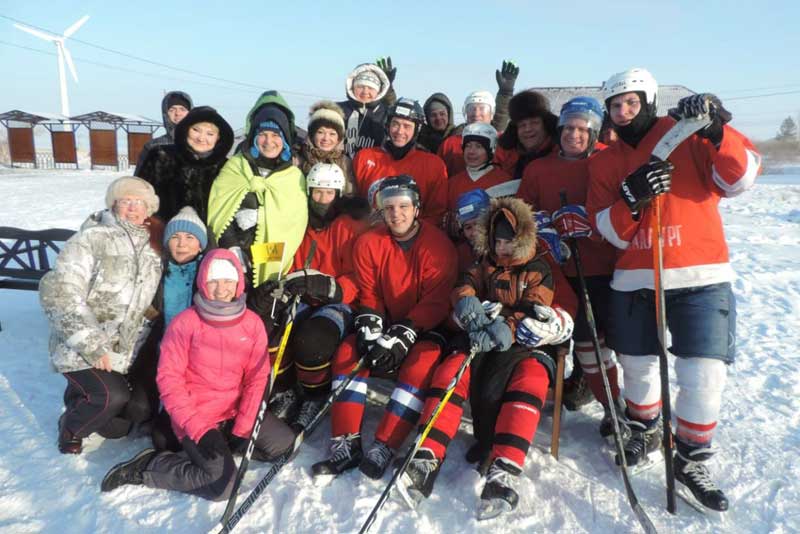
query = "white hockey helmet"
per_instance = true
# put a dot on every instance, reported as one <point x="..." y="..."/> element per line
<point x="481" y="129"/>
<point x="629" y="81"/>
<point x="326" y="176"/>
<point x="479" y="97"/>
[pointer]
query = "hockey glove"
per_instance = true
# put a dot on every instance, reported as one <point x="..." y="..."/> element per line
<point x="543" y="219"/>
<point x="494" y="336"/>
<point x="492" y="309"/>
<point x="469" y="314"/>
<point x="549" y="240"/>
<point x="246" y="218"/>
<point x="506" y="77"/>
<point x="571" y="221"/>
<point x="702" y="104"/>
<point x="314" y="285"/>
<point x="651" y="179"/>
<point x="385" y="64"/>
<point x="392" y="347"/>
<point x="213" y="445"/>
<point x="549" y="326"/>
<point x="369" y="327"/>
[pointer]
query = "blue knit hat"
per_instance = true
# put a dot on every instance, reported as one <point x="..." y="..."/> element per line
<point x="286" y="152"/>
<point x="187" y="221"/>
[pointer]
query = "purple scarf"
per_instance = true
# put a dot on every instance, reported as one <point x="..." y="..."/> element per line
<point x="217" y="312"/>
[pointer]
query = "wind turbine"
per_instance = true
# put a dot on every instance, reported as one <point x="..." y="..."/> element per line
<point x="63" y="54"/>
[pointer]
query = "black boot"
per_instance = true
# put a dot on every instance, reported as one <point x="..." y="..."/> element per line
<point x="576" y="391"/>
<point x="498" y="495"/>
<point x="345" y="454"/>
<point x="308" y="411"/>
<point x="130" y="472"/>
<point x="416" y="483"/>
<point x="376" y="460"/>
<point x="644" y="438"/>
<point x="283" y="404"/>
<point x="607" y="423"/>
<point x="68" y="443"/>
<point x="693" y="475"/>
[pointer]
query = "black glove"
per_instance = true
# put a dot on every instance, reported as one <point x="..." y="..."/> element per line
<point x="392" y="347"/>
<point x="651" y="179"/>
<point x="369" y="327"/>
<point x="506" y="76"/>
<point x="385" y="64"/>
<point x="706" y="103"/>
<point x="314" y="285"/>
<point x="213" y="445"/>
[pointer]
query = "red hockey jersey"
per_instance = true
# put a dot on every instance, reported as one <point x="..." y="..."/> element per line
<point x="695" y="251"/>
<point x="495" y="183"/>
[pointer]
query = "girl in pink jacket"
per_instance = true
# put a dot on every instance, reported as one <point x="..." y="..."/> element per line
<point x="213" y="369"/>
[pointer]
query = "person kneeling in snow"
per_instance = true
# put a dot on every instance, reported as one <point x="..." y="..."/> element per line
<point x="507" y="382"/>
<point x="212" y="373"/>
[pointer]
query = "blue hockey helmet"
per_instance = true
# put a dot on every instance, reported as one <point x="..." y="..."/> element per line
<point x="472" y="205"/>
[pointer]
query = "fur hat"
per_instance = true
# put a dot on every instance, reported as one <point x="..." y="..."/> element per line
<point x="519" y="215"/>
<point x="131" y="186"/>
<point x="525" y="105"/>
<point x="187" y="221"/>
<point x="328" y="114"/>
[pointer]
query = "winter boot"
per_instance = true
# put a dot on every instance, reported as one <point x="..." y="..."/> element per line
<point x="607" y="424"/>
<point x="498" y="495"/>
<point x="345" y="454"/>
<point x="476" y="454"/>
<point x="376" y="460"/>
<point x="416" y="482"/>
<point x="693" y="475"/>
<point x="68" y="443"/>
<point x="576" y="391"/>
<point x="308" y="411"/>
<point x="129" y="472"/>
<point x="283" y="404"/>
<point x="644" y="438"/>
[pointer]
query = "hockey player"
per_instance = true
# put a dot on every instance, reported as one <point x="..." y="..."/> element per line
<point x="328" y="289"/>
<point x="508" y="381"/>
<point x="567" y="171"/>
<point x="479" y="106"/>
<point x="399" y="155"/>
<point x="717" y="162"/>
<point x="405" y="272"/>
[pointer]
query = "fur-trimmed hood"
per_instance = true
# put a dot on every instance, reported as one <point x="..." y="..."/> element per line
<point x="520" y="215"/>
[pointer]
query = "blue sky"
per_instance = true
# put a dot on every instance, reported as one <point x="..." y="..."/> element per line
<point x="737" y="52"/>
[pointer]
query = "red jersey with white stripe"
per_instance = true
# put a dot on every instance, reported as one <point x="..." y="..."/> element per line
<point x="413" y="284"/>
<point x="334" y="254"/>
<point x="451" y="152"/>
<point x="695" y="251"/>
<point x="371" y="165"/>
<point x="541" y="187"/>
<point x="491" y="182"/>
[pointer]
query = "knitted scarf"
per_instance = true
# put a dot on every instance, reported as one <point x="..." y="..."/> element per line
<point x="218" y="313"/>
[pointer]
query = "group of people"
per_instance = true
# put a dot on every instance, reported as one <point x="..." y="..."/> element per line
<point x="410" y="245"/>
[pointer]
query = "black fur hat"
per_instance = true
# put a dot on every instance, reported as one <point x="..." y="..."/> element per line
<point x="525" y="105"/>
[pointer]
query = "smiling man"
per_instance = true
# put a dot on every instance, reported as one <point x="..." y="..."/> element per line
<point x="530" y="135"/>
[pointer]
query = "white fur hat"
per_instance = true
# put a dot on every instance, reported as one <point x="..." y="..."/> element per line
<point x="131" y="186"/>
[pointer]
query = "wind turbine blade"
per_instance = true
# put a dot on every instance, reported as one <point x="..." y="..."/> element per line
<point x="70" y="64"/>
<point x="37" y="33"/>
<point x="72" y="29"/>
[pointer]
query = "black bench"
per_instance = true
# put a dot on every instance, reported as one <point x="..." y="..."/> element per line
<point x="26" y="255"/>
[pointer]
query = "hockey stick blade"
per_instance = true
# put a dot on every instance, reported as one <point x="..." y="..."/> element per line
<point x="681" y="131"/>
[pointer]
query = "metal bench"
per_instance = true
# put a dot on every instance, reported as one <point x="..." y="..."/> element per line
<point x="26" y="255"/>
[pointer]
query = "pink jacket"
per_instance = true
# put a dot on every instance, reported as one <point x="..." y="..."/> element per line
<point x="209" y="373"/>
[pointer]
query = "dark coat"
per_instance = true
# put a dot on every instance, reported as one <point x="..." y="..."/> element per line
<point x="429" y="138"/>
<point x="181" y="177"/>
<point x="168" y="137"/>
<point x="365" y="123"/>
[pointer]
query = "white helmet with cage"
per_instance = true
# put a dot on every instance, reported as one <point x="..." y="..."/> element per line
<point x="325" y="176"/>
<point x="479" y="97"/>
<point x="629" y="81"/>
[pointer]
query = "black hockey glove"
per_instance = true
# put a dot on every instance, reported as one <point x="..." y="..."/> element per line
<point x="706" y="103"/>
<point x="212" y="445"/>
<point x="385" y="64"/>
<point x="392" y="347"/>
<point x="651" y="179"/>
<point x="506" y="77"/>
<point x="369" y="327"/>
<point x="314" y="285"/>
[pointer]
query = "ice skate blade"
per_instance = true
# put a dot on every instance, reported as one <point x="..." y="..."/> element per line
<point x="650" y="461"/>
<point x="410" y="497"/>
<point x="686" y="496"/>
<point x="489" y="509"/>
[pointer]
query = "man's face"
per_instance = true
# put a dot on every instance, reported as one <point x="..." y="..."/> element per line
<point x="176" y="113"/>
<point x="438" y="119"/>
<point x="269" y="144"/>
<point x="474" y="154"/>
<point x="323" y="195"/>
<point x="401" y="131"/>
<point x="531" y="133"/>
<point x="479" y="113"/>
<point x="364" y="93"/>
<point x="575" y="136"/>
<point x="399" y="214"/>
<point x="624" y="108"/>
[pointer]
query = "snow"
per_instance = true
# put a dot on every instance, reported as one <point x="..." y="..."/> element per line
<point x="758" y="435"/>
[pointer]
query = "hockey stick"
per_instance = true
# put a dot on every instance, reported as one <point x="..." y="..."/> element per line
<point x="681" y="131"/>
<point x="641" y="515"/>
<point x="451" y="387"/>
<point x="262" y="408"/>
<point x="227" y="525"/>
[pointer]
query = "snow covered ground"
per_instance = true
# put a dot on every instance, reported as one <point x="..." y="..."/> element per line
<point x="759" y="433"/>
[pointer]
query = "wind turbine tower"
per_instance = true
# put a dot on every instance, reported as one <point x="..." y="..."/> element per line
<point x="63" y="54"/>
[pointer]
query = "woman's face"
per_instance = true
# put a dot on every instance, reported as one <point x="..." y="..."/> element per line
<point x="270" y="144"/>
<point x="202" y="137"/>
<point x="325" y="138"/>
<point x="221" y="290"/>
<point x="183" y="247"/>
<point x="131" y="209"/>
